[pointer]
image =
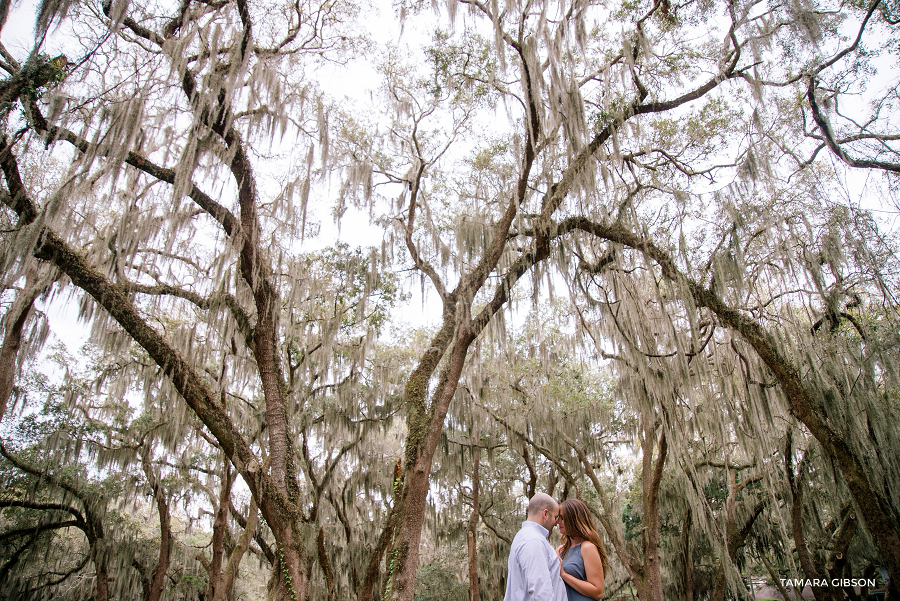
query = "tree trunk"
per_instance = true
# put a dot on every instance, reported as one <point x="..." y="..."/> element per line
<point x="229" y="573"/>
<point x="472" y="526"/>
<point x="841" y="543"/>
<point x="721" y="581"/>
<point x="531" y="483"/>
<point x="775" y="578"/>
<point x="735" y="537"/>
<point x="220" y="525"/>
<point x="807" y="563"/>
<point x="687" y="557"/>
<point x="643" y="588"/>
<point x="422" y="441"/>
<point x="290" y="581"/>
<point x="98" y="554"/>
<point x="157" y="581"/>
<point x="97" y="543"/>
<point x="17" y="316"/>
<point x="651" y="479"/>
<point x="327" y="570"/>
<point x="367" y="590"/>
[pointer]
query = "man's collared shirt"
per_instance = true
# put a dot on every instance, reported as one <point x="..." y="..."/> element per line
<point x="533" y="567"/>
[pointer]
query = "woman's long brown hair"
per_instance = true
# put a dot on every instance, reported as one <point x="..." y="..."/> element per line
<point x="578" y="522"/>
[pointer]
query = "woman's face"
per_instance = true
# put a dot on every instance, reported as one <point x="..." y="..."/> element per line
<point x="560" y="524"/>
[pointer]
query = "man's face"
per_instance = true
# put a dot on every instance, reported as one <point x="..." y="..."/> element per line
<point x="549" y="517"/>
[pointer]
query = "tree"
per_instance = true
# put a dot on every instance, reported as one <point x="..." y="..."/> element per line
<point x="660" y="173"/>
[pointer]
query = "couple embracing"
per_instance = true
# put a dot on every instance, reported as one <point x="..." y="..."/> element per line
<point x="572" y="572"/>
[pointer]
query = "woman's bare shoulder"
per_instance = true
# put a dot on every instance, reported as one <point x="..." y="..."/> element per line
<point x="589" y="547"/>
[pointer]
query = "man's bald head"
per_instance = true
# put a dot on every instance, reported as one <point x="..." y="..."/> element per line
<point x="539" y="502"/>
<point x="543" y="509"/>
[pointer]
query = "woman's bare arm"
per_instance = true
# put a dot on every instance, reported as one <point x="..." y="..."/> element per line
<point x="593" y="568"/>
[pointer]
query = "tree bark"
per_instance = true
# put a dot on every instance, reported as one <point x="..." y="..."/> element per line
<point x="422" y="441"/>
<point x="776" y="580"/>
<point x="840" y="544"/>
<point x="472" y="526"/>
<point x="531" y="483"/>
<point x="327" y="570"/>
<point x="156" y="584"/>
<point x="651" y="479"/>
<point x="12" y="342"/>
<point x="220" y="525"/>
<point x="226" y="589"/>
<point x="687" y="557"/>
<point x="367" y="590"/>
<point x="797" y="482"/>
<point x="734" y="537"/>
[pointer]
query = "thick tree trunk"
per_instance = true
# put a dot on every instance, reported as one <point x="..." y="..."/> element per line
<point x="642" y="587"/>
<point x="720" y="583"/>
<point x="97" y="542"/>
<point x="290" y="580"/>
<point x="422" y="441"/>
<point x="98" y="554"/>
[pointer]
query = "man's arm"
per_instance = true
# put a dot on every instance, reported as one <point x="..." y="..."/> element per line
<point x="535" y="571"/>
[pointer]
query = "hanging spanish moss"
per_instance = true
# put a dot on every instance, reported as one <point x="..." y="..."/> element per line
<point x="638" y="254"/>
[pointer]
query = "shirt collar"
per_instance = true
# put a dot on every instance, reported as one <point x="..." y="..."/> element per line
<point x="544" y="532"/>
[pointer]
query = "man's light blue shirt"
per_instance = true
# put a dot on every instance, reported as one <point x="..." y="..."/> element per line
<point x="533" y="567"/>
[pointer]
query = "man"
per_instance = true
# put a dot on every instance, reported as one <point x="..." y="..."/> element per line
<point x="533" y="563"/>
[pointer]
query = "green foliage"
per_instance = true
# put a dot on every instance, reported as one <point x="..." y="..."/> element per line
<point x="437" y="582"/>
<point x="632" y="521"/>
<point x="45" y="73"/>
<point x="462" y="67"/>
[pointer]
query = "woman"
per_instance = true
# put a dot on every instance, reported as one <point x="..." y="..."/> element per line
<point x="582" y="556"/>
